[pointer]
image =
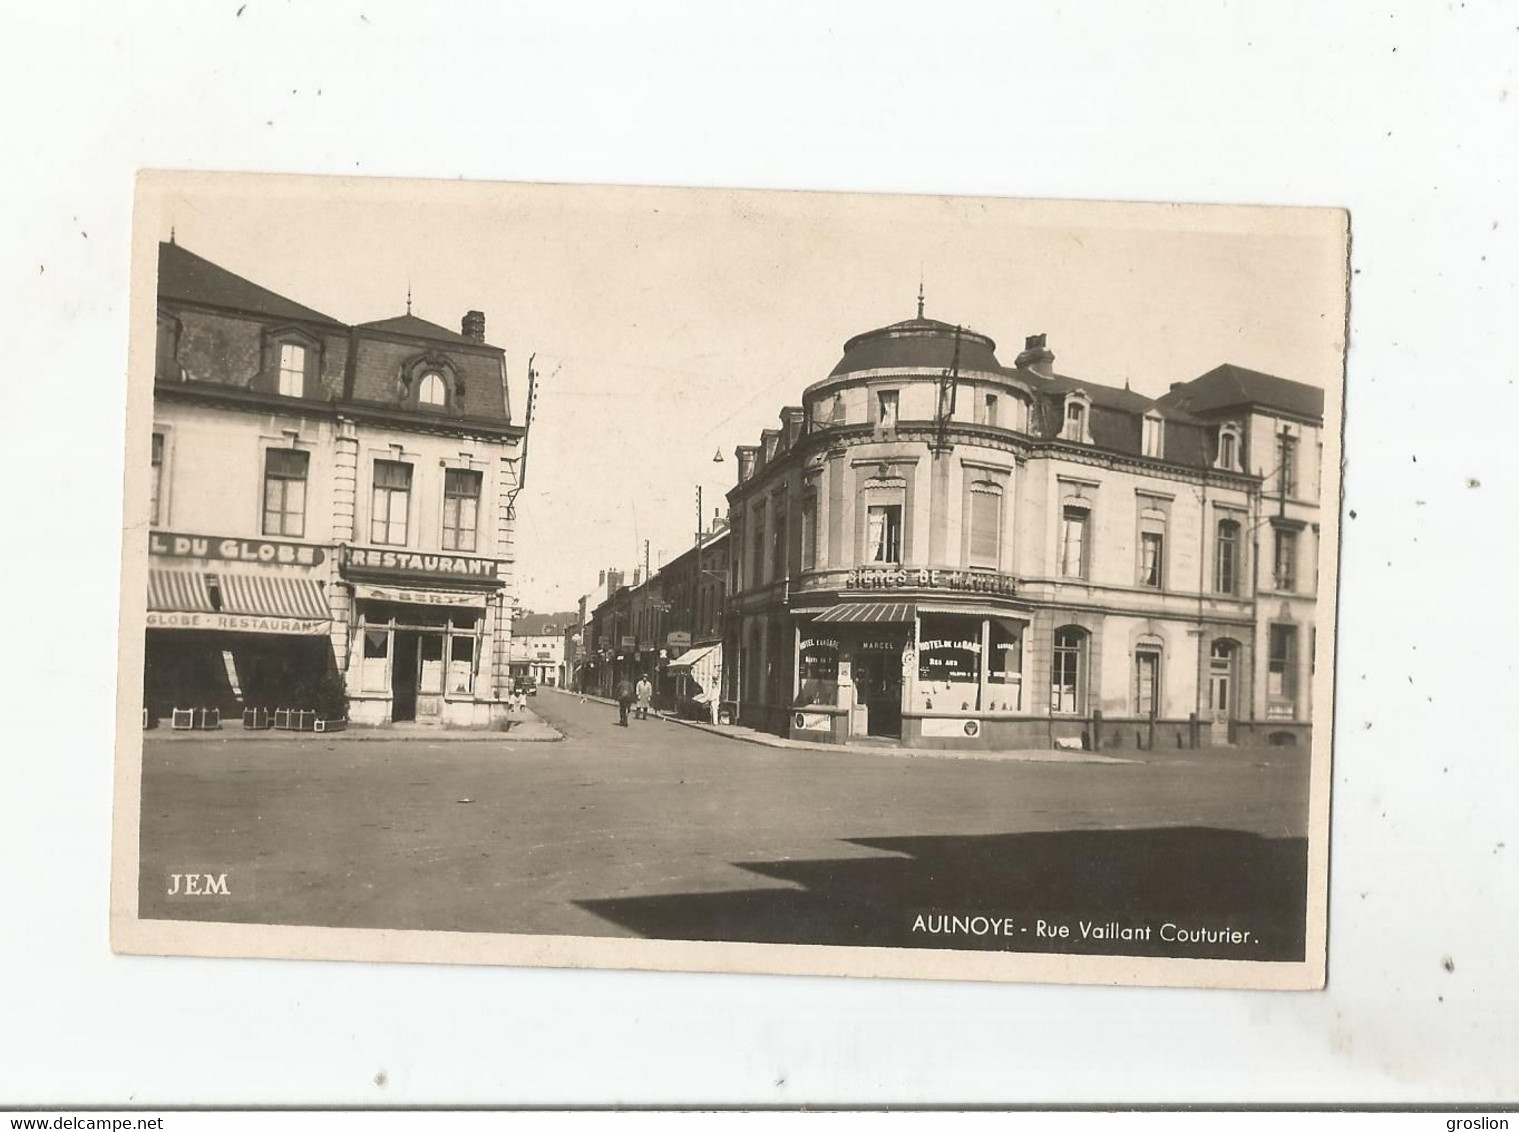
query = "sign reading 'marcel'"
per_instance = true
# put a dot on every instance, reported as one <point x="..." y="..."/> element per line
<point x="408" y="562"/>
<point x="171" y="545"/>
<point x="962" y="581"/>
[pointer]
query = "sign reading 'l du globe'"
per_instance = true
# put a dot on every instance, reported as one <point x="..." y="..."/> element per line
<point x="167" y="544"/>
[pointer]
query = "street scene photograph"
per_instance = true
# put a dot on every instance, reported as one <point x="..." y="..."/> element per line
<point x="859" y="576"/>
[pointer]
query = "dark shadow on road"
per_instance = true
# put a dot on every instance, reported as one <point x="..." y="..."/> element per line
<point x="1190" y="877"/>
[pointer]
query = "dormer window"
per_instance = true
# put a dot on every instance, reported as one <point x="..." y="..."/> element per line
<point x="292" y="370"/>
<point x="432" y="391"/>
<point x="1077" y="410"/>
<point x="1228" y="447"/>
<point x="1154" y="433"/>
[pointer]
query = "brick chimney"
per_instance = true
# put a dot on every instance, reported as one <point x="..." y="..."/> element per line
<point x="473" y="326"/>
<point x="1036" y="356"/>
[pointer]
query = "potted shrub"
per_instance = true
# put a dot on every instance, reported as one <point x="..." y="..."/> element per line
<point x="331" y="702"/>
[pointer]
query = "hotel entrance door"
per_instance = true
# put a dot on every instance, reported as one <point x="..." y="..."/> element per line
<point x="878" y="686"/>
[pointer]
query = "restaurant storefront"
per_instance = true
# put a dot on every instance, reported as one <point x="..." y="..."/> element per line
<point x="236" y="623"/>
<point x="427" y="638"/>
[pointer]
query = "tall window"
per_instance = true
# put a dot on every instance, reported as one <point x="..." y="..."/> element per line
<point x="985" y="523"/>
<point x="990" y="409"/>
<point x="1147" y="682"/>
<point x="1226" y="557"/>
<point x="883" y="533"/>
<point x="155" y="484"/>
<point x="292" y="370"/>
<point x="1228" y="448"/>
<point x="1004" y="665"/>
<point x="809" y="529"/>
<point x="886" y="405"/>
<point x="1281" y="663"/>
<point x="285" y="491"/>
<point x="461" y="508"/>
<point x="1075" y="421"/>
<point x="757" y="548"/>
<point x="1068" y="671"/>
<point x="392" y="501"/>
<point x="1286" y="464"/>
<point x="777" y="539"/>
<point x="1284" y="560"/>
<point x="1152" y="549"/>
<point x="1073" y="541"/>
<point x="1154" y="431"/>
<point x="432" y="391"/>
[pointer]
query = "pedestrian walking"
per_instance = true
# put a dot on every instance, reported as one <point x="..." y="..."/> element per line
<point x="645" y="692"/>
<point x="624" y="700"/>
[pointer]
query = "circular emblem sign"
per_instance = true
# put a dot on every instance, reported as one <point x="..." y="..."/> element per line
<point x="972" y="728"/>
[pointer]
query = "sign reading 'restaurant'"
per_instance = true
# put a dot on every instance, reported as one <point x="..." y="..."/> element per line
<point x="964" y="581"/>
<point x="407" y="562"/>
<point x="170" y="545"/>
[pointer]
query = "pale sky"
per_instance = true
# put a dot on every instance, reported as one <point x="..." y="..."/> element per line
<point x="669" y="324"/>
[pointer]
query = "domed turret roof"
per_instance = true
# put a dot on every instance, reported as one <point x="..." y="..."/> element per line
<point x="917" y="343"/>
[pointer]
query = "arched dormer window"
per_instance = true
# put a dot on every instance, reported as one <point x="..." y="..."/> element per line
<point x="1077" y="422"/>
<point x="432" y="391"/>
<point x="292" y="362"/>
<point x="1228" y="447"/>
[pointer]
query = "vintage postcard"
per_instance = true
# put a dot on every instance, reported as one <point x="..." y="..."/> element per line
<point x="923" y="587"/>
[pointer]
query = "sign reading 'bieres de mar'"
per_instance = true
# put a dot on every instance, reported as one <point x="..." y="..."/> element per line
<point x="961" y="581"/>
<point x="171" y="545"/>
<point x="406" y="562"/>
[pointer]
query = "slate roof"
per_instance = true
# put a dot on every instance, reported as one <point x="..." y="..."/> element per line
<point x="413" y="327"/>
<point x="185" y="276"/>
<point x="917" y="343"/>
<point x="1230" y="386"/>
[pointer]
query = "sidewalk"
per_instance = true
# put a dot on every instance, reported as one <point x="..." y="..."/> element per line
<point x="524" y="727"/>
<point x="765" y="739"/>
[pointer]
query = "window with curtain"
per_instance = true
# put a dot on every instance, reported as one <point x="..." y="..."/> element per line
<point x="155" y="483"/>
<point x="1151" y="557"/>
<point x="886" y="408"/>
<point x="1154" y="434"/>
<point x="1284" y="560"/>
<point x="391" y="501"/>
<point x="461" y="508"/>
<point x="883" y="533"/>
<point x="1075" y="421"/>
<point x="1068" y="671"/>
<point x="1073" y="541"/>
<point x="285" y="472"/>
<point x="292" y="370"/>
<point x="985" y="523"/>
<point x="1226" y="558"/>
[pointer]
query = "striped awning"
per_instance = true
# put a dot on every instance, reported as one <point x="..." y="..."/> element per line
<point x="870" y="612"/>
<point x="178" y="591"/>
<point x="273" y="596"/>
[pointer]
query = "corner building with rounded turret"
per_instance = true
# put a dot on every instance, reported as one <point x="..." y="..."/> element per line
<point x="938" y="550"/>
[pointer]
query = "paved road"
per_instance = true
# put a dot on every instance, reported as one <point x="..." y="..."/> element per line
<point x="665" y="831"/>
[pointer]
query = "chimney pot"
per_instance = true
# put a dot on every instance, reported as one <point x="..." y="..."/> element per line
<point x="1036" y="356"/>
<point x="473" y="326"/>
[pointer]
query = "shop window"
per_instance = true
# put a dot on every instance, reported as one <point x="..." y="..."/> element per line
<point x="375" y="676"/>
<point x="1281" y="665"/>
<point x="292" y="370"/>
<point x="985" y="523"/>
<point x="1073" y="541"/>
<point x="461" y="665"/>
<point x="949" y="662"/>
<point x="818" y="665"/>
<point x="1286" y="464"/>
<point x="1226" y="558"/>
<point x="155" y="482"/>
<point x="883" y="533"/>
<point x="392" y="501"/>
<point x="1153" y="435"/>
<point x="809" y="529"/>
<point x="1004" y="666"/>
<point x="1284" y="560"/>
<point x="461" y="508"/>
<point x="1068" y="671"/>
<point x="886" y="408"/>
<point x="432" y="390"/>
<point x="430" y="653"/>
<point x="285" y="471"/>
<point x="1147" y="683"/>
